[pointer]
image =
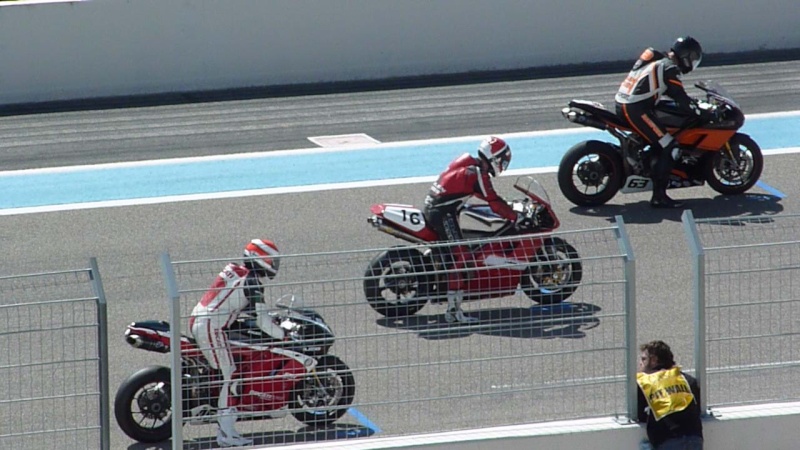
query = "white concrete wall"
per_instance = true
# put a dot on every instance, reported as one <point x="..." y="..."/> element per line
<point x="757" y="427"/>
<point x="95" y="48"/>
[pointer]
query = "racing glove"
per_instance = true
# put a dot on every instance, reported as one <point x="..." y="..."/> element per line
<point x="523" y="222"/>
<point x="267" y="323"/>
<point x="705" y="111"/>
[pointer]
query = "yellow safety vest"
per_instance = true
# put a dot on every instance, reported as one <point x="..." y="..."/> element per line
<point x="666" y="391"/>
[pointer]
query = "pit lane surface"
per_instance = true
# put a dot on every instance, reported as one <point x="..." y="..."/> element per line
<point x="127" y="240"/>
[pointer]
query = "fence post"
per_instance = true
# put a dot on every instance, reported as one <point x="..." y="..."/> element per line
<point x="102" y="348"/>
<point x="631" y="360"/>
<point x="173" y="296"/>
<point x="699" y="291"/>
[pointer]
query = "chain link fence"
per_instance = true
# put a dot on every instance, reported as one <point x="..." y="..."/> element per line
<point x="53" y="361"/>
<point x="552" y="340"/>
<point x="747" y="296"/>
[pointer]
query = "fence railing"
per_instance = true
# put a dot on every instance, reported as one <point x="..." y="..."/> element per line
<point x="555" y="339"/>
<point x="747" y="297"/>
<point x="552" y="341"/>
<point x="54" y="361"/>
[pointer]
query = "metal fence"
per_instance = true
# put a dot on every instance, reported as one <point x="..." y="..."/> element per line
<point x="53" y="361"/>
<point x="747" y="294"/>
<point x="408" y="370"/>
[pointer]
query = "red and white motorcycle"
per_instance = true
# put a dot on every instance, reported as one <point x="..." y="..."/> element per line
<point x="400" y="281"/>
<point x="296" y="376"/>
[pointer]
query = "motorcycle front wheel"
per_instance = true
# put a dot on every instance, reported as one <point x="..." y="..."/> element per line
<point x="556" y="274"/>
<point x="590" y="173"/>
<point x="396" y="283"/>
<point x="735" y="171"/>
<point x="143" y="406"/>
<point x="323" y="396"/>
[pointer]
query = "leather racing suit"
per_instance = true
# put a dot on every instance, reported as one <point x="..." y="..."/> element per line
<point x="653" y="77"/>
<point x="463" y="179"/>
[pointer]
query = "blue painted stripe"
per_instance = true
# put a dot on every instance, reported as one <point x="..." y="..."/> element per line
<point x="362" y="419"/>
<point x="290" y="169"/>
<point x="770" y="189"/>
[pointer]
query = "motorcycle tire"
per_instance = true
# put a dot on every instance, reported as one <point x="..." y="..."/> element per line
<point x="724" y="175"/>
<point x="334" y="379"/>
<point x="597" y="166"/>
<point x="400" y="274"/>
<point x="548" y="284"/>
<point x="141" y="391"/>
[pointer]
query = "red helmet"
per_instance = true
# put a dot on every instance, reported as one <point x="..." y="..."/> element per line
<point x="262" y="255"/>
<point x="496" y="153"/>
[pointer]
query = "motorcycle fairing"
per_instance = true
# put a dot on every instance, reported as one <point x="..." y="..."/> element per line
<point x="636" y="183"/>
<point x="710" y="139"/>
<point x="403" y="221"/>
<point x="267" y="380"/>
<point x="493" y="260"/>
<point x="404" y="216"/>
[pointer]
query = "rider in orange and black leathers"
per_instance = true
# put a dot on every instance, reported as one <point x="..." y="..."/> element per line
<point x="655" y="75"/>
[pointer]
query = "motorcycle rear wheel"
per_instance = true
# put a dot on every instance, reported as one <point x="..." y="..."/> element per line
<point x="143" y="406"/>
<point x="396" y="284"/>
<point x="735" y="174"/>
<point x="590" y="173"/>
<point x="548" y="284"/>
<point x="323" y="397"/>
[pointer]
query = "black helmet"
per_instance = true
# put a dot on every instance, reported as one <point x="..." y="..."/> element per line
<point x="688" y="53"/>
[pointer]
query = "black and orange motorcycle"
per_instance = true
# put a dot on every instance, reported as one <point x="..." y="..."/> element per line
<point x="593" y="171"/>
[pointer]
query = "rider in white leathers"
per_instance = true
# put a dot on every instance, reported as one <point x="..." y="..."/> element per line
<point x="234" y="290"/>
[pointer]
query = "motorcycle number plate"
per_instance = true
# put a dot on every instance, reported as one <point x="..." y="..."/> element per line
<point x="635" y="183"/>
<point x="408" y="217"/>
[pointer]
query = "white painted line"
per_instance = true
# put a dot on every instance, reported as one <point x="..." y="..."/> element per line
<point x="781" y="151"/>
<point x="316" y="150"/>
<point x="344" y="140"/>
<point x="245" y="193"/>
<point x="276" y="191"/>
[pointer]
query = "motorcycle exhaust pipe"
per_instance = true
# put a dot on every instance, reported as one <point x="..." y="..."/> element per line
<point x="399" y="234"/>
<point x="583" y="119"/>
<point x="136" y="341"/>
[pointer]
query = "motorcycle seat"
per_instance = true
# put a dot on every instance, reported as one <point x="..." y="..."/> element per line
<point x="600" y="111"/>
<point x="155" y="325"/>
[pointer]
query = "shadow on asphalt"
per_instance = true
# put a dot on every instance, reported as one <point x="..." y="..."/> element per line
<point x="743" y="207"/>
<point x="335" y="432"/>
<point x="565" y="320"/>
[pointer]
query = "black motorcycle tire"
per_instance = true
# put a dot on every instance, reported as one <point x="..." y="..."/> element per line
<point x="403" y="272"/>
<point x="714" y="166"/>
<point x="532" y="281"/>
<point x="319" y="412"/>
<point x="130" y="391"/>
<point x="608" y="164"/>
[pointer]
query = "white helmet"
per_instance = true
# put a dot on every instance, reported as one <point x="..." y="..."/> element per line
<point x="497" y="153"/>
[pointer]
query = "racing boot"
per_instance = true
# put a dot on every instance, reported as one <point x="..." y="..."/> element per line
<point x="227" y="436"/>
<point x="660" y="199"/>
<point x="454" y="312"/>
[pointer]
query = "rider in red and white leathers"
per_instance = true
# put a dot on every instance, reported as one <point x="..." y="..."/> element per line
<point x="465" y="177"/>
<point x="235" y="289"/>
